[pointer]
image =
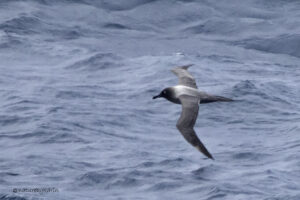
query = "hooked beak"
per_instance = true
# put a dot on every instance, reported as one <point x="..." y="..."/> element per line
<point x="157" y="96"/>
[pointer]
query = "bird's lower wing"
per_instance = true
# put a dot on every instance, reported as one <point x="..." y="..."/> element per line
<point x="187" y="120"/>
<point x="190" y="136"/>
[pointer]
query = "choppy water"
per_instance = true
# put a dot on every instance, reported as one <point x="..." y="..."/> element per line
<point x="76" y="114"/>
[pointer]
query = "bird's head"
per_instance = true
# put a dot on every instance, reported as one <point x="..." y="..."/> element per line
<point x="166" y="93"/>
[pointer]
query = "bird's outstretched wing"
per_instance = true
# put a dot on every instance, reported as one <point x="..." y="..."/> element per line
<point x="187" y="120"/>
<point x="185" y="78"/>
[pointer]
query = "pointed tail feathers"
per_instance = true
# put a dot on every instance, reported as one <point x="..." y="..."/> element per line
<point x="212" y="99"/>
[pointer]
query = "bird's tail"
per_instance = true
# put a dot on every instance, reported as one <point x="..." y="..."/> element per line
<point x="212" y="99"/>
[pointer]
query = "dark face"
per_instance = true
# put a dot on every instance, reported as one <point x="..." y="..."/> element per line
<point x="165" y="93"/>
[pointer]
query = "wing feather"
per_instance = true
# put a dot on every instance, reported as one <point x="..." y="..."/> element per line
<point x="185" y="78"/>
<point x="187" y="120"/>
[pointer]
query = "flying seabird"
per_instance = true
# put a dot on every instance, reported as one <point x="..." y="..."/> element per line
<point x="186" y="93"/>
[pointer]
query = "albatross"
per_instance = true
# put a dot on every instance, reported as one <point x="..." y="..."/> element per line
<point x="186" y="93"/>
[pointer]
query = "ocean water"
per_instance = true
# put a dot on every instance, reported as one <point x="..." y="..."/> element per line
<point x="76" y="111"/>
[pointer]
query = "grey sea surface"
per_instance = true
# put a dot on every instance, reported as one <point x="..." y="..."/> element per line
<point x="76" y="111"/>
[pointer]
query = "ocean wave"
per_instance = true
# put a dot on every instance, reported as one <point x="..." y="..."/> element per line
<point x="11" y="42"/>
<point x="206" y="172"/>
<point x="165" y="186"/>
<point x="106" y="180"/>
<point x="115" y="26"/>
<point x="21" y="25"/>
<point x="213" y="26"/>
<point x="12" y="197"/>
<point x="12" y="120"/>
<point x="61" y="138"/>
<point x="97" y="62"/>
<point x="282" y="44"/>
<point x="250" y="156"/>
<point x="120" y="5"/>
<point x="92" y="178"/>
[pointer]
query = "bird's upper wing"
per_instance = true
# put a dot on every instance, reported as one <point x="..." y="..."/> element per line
<point x="187" y="120"/>
<point x="185" y="78"/>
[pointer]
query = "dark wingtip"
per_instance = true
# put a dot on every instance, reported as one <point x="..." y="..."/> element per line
<point x="203" y="150"/>
<point x="211" y="157"/>
<point x="208" y="155"/>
